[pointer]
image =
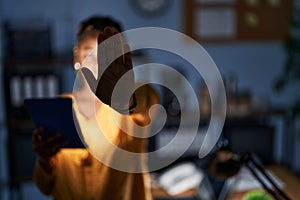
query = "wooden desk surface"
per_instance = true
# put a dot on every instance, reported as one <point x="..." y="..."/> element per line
<point x="291" y="183"/>
<point x="291" y="186"/>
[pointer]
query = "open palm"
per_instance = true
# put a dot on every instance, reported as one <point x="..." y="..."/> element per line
<point x="113" y="63"/>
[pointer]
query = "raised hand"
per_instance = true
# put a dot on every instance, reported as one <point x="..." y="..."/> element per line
<point x="110" y="46"/>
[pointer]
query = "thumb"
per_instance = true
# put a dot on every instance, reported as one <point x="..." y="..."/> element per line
<point x="90" y="78"/>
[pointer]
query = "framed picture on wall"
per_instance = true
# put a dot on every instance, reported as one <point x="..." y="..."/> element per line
<point x="237" y="20"/>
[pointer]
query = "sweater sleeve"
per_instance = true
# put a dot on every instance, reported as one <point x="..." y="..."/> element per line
<point x="43" y="179"/>
<point x="146" y="97"/>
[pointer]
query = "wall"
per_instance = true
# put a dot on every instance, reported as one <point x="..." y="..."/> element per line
<point x="3" y="135"/>
<point x="252" y="62"/>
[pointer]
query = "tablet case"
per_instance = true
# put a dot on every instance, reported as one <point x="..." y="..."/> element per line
<point x="55" y="115"/>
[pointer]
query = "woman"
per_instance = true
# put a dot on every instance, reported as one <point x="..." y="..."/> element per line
<point x="76" y="173"/>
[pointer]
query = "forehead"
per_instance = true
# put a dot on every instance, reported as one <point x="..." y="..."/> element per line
<point x="89" y="37"/>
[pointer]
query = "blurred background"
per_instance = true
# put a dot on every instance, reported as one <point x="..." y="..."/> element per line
<point x="254" y="43"/>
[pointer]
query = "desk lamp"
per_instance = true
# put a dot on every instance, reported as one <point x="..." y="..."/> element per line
<point x="226" y="164"/>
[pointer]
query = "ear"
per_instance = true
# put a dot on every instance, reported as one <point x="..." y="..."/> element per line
<point x="76" y="53"/>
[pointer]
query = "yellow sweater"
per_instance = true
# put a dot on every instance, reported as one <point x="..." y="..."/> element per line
<point x="79" y="175"/>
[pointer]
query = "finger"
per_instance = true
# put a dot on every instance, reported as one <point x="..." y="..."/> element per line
<point x="36" y="136"/>
<point x="119" y="49"/>
<point x="110" y="44"/>
<point x="101" y="37"/>
<point x="53" y="152"/>
<point x="60" y="144"/>
<point x="110" y="51"/>
<point x="52" y="147"/>
<point x="113" y="43"/>
<point x="118" y="43"/>
<point x="127" y="57"/>
<point x="38" y="131"/>
<point x="108" y="31"/>
<point x="49" y="139"/>
<point x="105" y="51"/>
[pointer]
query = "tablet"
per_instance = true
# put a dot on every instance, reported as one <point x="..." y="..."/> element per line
<point x="55" y="115"/>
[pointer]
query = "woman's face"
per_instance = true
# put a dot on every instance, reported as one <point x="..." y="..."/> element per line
<point x="85" y="52"/>
<point x="85" y="46"/>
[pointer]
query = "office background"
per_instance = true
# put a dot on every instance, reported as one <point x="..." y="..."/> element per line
<point x="256" y="64"/>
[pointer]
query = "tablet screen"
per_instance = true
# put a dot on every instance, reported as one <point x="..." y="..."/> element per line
<point x="55" y="115"/>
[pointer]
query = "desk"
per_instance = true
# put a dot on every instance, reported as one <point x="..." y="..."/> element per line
<point x="291" y="186"/>
<point x="291" y="183"/>
<point x="159" y="193"/>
